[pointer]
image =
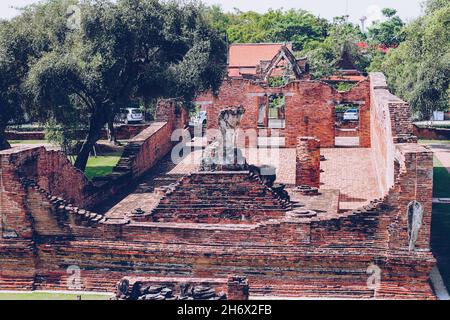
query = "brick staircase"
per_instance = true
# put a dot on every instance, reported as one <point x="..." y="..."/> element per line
<point x="130" y="153"/>
<point x="214" y="198"/>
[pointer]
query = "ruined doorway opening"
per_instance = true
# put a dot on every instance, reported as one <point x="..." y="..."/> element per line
<point x="347" y="125"/>
<point x="272" y="111"/>
<point x="271" y="120"/>
<point x="276" y="111"/>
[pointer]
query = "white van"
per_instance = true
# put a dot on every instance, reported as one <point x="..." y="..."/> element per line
<point x="130" y="115"/>
<point x="351" y="115"/>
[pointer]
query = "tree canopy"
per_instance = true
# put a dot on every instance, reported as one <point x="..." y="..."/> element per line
<point x="389" y="32"/>
<point x="342" y="40"/>
<point x="120" y="51"/>
<point x="299" y="27"/>
<point x="418" y="69"/>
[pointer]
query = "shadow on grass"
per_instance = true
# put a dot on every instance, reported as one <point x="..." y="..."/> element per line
<point x="440" y="239"/>
<point x="441" y="183"/>
<point x="92" y="172"/>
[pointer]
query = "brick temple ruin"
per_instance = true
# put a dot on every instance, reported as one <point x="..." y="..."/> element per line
<point x="327" y="215"/>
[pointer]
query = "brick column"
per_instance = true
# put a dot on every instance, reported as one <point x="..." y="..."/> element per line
<point x="307" y="171"/>
<point x="237" y="288"/>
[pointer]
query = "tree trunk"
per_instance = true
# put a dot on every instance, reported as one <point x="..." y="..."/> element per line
<point x="4" y="144"/>
<point x="111" y="132"/>
<point x="95" y="128"/>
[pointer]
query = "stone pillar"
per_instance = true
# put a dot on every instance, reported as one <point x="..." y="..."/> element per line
<point x="237" y="288"/>
<point x="307" y="171"/>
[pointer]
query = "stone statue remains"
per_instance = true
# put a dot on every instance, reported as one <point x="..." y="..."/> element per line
<point x="223" y="153"/>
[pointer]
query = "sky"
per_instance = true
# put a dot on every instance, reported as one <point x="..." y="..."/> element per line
<point x="407" y="9"/>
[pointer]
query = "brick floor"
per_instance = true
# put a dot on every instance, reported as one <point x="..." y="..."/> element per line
<point x="349" y="170"/>
<point x="442" y="152"/>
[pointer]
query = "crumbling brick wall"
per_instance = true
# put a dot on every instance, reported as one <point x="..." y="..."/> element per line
<point x="309" y="108"/>
<point x="391" y="123"/>
<point x="321" y="255"/>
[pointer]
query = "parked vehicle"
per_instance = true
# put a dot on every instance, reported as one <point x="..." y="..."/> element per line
<point x="130" y="115"/>
<point x="351" y="115"/>
<point x="198" y="119"/>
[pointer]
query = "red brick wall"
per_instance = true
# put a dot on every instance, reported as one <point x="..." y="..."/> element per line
<point x="144" y="150"/>
<point x="123" y="132"/>
<point x="390" y="121"/>
<point x="52" y="170"/>
<point x="309" y="108"/>
<point x="431" y="133"/>
<point x="325" y="255"/>
<point x="316" y="247"/>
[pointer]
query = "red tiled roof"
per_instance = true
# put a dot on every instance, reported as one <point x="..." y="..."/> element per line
<point x="345" y="78"/>
<point x="251" y="54"/>
<point x="380" y="47"/>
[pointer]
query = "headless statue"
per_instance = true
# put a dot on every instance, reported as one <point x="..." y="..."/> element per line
<point x="223" y="154"/>
<point x="415" y="216"/>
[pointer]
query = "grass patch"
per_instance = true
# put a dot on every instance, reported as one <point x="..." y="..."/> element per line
<point x="28" y="141"/>
<point x="51" y="296"/>
<point x="423" y="141"/>
<point x="440" y="239"/>
<point x="101" y="166"/>
<point x="441" y="183"/>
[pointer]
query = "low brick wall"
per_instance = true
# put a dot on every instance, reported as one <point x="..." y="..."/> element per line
<point x="144" y="150"/>
<point x="123" y="132"/>
<point x="431" y="133"/>
<point x="18" y="135"/>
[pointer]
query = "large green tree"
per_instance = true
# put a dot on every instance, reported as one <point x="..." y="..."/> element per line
<point x="341" y="43"/>
<point x="299" y="27"/>
<point x="18" y="47"/>
<point x="389" y="32"/>
<point x="418" y="69"/>
<point x="10" y="65"/>
<point x="123" y="50"/>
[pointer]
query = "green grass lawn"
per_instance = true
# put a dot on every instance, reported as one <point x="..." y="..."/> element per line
<point x="51" y="296"/>
<point x="434" y="141"/>
<point x="102" y="165"/>
<point x="441" y="183"/>
<point x="27" y="141"/>
<point x="440" y="239"/>
<point x="440" y="225"/>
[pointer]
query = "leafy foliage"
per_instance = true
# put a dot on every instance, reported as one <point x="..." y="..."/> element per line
<point x="276" y="82"/>
<point x="387" y="33"/>
<point x="15" y="48"/>
<point x="299" y="27"/>
<point x="343" y="39"/>
<point x="418" y="69"/>
<point x="122" y="50"/>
